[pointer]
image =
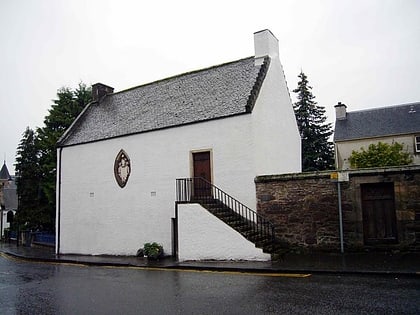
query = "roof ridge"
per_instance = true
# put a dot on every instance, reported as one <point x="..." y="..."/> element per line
<point x="181" y="75"/>
<point x="383" y="107"/>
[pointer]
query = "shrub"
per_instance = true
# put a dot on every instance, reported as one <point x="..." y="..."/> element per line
<point x="380" y="155"/>
<point x="153" y="250"/>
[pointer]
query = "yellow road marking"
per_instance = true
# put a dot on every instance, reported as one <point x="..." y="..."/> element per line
<point x="264" y="274"/>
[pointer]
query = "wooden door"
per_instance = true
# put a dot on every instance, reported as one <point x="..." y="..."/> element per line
<point x="202" y="169"/>
<point x="379" y="219"/>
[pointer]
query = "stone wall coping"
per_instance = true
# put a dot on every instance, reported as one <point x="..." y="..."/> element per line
<point x="326" y="174"/>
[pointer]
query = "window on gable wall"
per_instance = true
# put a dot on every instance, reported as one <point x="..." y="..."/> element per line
<point x="417" y="143"/>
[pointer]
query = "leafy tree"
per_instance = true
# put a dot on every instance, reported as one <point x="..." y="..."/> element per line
<point x="380" y="155"/>
<point x="61" y="115"/>
<point x="317" y="151"/>
<point x="27" y="182"/>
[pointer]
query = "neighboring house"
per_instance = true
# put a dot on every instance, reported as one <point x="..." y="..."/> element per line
<point x="354" y="130"/>
<point x="8" y="199"/>
<point x="119" y="161"/>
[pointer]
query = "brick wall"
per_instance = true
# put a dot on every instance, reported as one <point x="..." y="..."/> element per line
<point x="304" y="207"/>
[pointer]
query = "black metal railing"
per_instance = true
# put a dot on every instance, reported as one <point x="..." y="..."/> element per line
<point x="199" y="190"/>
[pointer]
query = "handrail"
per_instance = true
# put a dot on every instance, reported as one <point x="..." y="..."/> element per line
<point x="199" y="190"/>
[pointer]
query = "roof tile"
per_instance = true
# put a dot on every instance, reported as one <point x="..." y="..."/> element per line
<point x="211" y="93"/>
<point x="378" y="122"/>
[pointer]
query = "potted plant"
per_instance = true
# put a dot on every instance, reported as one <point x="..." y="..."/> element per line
<point x="153" y="250"/>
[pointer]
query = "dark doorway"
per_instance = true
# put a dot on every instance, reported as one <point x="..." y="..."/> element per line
<point x="9" y="217"/>
<point x="202" y="173"/>
<point x="379" y="219"/>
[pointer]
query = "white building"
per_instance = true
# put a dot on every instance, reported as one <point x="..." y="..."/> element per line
<point x="119" y="161"/>
<point x="8" y="199"/>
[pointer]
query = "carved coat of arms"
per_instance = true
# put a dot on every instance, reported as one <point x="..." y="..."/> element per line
<point x="122" y="168"/>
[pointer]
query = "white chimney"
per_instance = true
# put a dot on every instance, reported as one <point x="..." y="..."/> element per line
<point x="265" y="44"/>
<point x="340" y="111"/>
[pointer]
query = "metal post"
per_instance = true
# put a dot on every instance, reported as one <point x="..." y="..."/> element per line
<point x="1" y="223"/>
<point x="340" y="214"/>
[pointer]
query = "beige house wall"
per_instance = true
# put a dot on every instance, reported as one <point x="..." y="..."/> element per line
<point x="343" y="149"/>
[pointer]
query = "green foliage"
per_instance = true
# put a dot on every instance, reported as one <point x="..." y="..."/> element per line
<point x="380" y="155"/>
<point x="61" y="115"/>
<point x="27" y="182"/>
<point x="317" y="151"/>
<point x="153" y="250"/>
<point x="65" y="109"/>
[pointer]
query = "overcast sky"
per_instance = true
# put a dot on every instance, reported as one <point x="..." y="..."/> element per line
<point x="364" y="53"/>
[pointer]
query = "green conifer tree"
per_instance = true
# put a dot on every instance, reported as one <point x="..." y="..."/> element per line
<point x="36" y="162"/>
<point x="29" y="214"/>
<point x="317" y="151"/>
<point x="65" y="109"/>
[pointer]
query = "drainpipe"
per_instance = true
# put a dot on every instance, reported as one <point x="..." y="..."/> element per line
<point x="1" y="223"/>
<point x="58" y="206"/>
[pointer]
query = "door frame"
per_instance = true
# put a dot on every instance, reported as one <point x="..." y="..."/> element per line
<point x="192" y="162"/>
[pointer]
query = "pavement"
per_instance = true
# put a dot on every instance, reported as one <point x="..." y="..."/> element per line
<point x="368" y="263"/>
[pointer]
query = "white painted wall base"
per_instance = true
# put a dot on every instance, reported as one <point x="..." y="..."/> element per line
<point x="202" y="236"/>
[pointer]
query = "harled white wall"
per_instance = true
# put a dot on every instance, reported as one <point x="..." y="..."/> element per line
<point x="276" y="135"/>
<point x="202" y="236"/>
<point x="99" y="217"/>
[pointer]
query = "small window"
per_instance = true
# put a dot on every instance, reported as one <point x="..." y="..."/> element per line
<point x="417" y="143"/>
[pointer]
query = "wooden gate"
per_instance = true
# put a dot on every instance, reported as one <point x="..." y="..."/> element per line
<point x="379" y="219"/>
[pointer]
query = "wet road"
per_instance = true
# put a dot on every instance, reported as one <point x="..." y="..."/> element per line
<point x="40" y="288"/>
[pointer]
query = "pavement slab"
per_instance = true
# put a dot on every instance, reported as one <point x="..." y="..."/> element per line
<point x="399" y="263"/>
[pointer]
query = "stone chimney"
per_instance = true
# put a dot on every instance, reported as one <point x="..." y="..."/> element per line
<point x="99" y="90"/>
<point x="265" y="44"/>
<point x="340" y="111"/>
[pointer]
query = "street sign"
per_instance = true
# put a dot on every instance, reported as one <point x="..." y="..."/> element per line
<point x="339" y="176"/>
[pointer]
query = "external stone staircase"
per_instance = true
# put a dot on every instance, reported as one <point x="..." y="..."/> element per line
<point x="246" y="227"/>
<point x="254" y="227"/>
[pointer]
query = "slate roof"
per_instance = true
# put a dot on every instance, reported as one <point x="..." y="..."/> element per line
<point x="378" y="122"/>
<point x="4" y="173"/>
<point x="220" y="91"/>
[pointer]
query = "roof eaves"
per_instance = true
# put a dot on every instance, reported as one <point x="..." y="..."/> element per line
<point x="151" y="130"/>
<point x="375" y="137"/>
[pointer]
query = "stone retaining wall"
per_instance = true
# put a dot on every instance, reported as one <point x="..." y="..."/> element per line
<point x="304" y="207"/>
